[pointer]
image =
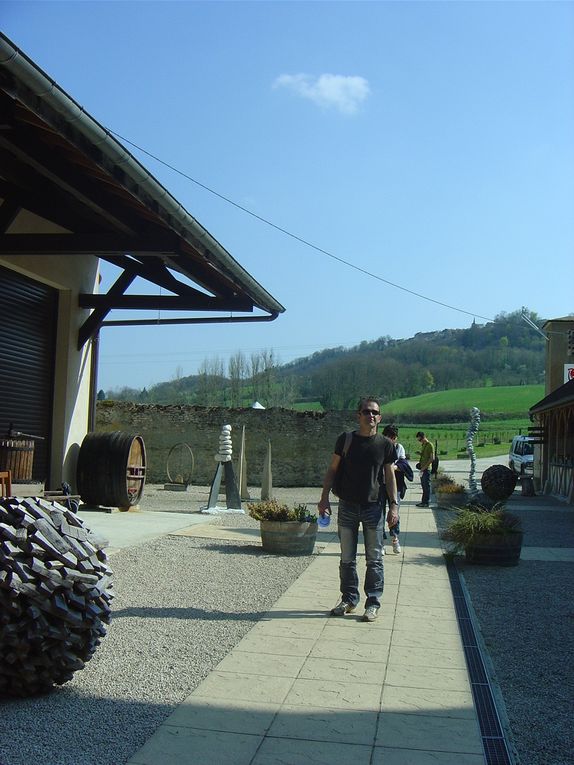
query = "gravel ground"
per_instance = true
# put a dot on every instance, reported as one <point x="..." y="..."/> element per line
<point x="181" y="605"/>
<point x="526" y="618"/>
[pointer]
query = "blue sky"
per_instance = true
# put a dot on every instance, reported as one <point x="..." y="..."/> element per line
<point x="428" y="144"/>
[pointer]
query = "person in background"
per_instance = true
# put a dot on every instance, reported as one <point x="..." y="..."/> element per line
<point x="424" y="466"/>
<point x="392" y="433"/>
<point x="357" y="472"/>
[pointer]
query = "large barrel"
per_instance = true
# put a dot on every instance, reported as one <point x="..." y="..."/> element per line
<point x="111" y="469"/>
<point x="17" y="456"/>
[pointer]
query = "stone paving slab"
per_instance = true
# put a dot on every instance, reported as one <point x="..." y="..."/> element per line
<point x="304" y="687"/>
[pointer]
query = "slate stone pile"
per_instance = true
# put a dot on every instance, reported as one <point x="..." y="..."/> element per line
<point x="55" y="594"/>
<point x="498" y="482"/>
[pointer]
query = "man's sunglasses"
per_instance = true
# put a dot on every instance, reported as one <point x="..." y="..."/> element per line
<point x="374" y="412"/>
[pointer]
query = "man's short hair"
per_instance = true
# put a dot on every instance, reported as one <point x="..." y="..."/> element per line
<point x="391" y="431"/>
<point x="420" y="434"/>
<point x="363" y="400"/>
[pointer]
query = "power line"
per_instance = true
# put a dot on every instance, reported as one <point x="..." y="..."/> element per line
<point x="295" y="236"/>
<point x="310" y="244"/>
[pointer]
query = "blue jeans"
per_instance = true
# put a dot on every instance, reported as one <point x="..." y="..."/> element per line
<point x="394" y="531"/>
<point x="425" y="483"/>
<point x="370" y="515"/>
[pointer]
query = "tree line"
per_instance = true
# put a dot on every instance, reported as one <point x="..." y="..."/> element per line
<point x="505" y="351"/>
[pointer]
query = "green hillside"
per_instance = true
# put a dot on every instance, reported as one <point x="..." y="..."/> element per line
<point x="479" y="362"/>
<point x="502" y="401"/>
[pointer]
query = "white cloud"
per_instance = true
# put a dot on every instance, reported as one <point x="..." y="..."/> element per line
<point x="328" y="90"/>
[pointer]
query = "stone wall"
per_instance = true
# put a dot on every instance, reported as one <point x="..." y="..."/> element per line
<point x="301" y="442"/>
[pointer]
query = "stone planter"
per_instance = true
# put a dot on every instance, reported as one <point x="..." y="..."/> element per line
<point x="288" y="537"/>
<point x="493" y="550"/>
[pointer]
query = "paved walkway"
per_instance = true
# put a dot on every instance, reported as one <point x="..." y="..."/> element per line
<point x="305" y="687"/>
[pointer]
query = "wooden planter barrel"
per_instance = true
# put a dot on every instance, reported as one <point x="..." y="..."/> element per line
<point x="492" y="550"/>
<point x="17" y="455"/>
<point x="448" y="500"/>
<point x="111" y="469"/>
<point x="288" y="537"/>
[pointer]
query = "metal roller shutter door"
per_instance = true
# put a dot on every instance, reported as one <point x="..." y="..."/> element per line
<point x="28" y="316"/>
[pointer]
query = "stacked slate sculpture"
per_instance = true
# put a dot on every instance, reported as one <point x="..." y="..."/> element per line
<point x="55" y="594"/>
<point x="470" y="434"/>
<point x="498" y="482"/>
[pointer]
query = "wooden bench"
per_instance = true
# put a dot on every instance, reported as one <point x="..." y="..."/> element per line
<point x="58" y="496"/>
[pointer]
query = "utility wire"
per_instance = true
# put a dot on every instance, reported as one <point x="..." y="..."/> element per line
<point x="294" y="236"/>
<point x="305" y="241"/>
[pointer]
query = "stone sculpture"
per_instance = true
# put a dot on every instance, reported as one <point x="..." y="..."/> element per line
<point x="472" y="431"/>
<point x="55" y="594"/>
<point x="224" y="470"/>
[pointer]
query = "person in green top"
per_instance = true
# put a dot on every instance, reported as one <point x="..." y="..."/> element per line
<point x="424" y="466"/>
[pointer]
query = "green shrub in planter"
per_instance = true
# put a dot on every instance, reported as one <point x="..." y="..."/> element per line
<point x="285" y="530"/>
<point x="492" y="537"/>
<point x="451" y="495"/>
<point x="273" y="510"/>
<point x="441" y="479"/>
<point x="450" y="488"/>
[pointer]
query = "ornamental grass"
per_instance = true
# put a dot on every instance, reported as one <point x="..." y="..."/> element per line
<point x="273" y="510"/>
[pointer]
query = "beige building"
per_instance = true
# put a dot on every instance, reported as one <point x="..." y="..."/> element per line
<point x="554" y="414"/>
<point x="71" y="196"/>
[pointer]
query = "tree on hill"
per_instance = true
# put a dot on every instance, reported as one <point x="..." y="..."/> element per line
<point x="505" y="351"/>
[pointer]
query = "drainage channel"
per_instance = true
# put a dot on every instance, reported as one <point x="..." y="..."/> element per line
<point x="493" y="741"/>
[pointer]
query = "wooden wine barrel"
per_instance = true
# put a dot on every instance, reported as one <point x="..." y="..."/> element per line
<point x="111" y="469"/>
<point x="288" y="537"/>
<point x="17" y="455"/>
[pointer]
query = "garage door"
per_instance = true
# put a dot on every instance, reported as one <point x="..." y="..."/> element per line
<point x="28" y="315"/>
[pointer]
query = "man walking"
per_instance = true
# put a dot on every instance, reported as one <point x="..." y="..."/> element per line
<point x="355" y="464"/>
<point x="424" y="466"/>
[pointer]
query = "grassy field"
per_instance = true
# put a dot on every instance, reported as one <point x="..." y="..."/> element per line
<point x="450" y="440"/>
<point x="504" y="414"/>
<point x="508" y="401"/>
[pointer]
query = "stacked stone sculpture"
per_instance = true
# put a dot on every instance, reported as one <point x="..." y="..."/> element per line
<point x="55" y="594"/>
<point x="471" y="432"/>
<point x="498" y="482"/>
<point x="224" y="470"/>
<point x="225" y="445"/>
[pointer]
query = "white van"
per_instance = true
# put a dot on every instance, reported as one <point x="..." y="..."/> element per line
<point x="521" y="456"/>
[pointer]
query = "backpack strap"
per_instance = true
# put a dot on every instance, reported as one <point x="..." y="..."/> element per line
<point x="347" y="444"/>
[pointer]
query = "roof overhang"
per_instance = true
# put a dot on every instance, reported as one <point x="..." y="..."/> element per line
<point x="562" y="396"/>
<point x="59" y="163"/>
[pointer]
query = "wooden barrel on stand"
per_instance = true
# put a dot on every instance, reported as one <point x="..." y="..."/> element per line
<point x="111" y="469"/>
<point x="17" y="456"/>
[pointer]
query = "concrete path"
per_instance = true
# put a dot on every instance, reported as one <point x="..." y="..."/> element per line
<point x="305" y="687"/>
<point x="131" y="528"/>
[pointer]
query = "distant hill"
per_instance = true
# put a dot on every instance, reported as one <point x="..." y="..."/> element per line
<point x="504" y="352"/>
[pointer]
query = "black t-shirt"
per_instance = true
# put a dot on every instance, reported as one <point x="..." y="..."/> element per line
<point x="359" y="477"/>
